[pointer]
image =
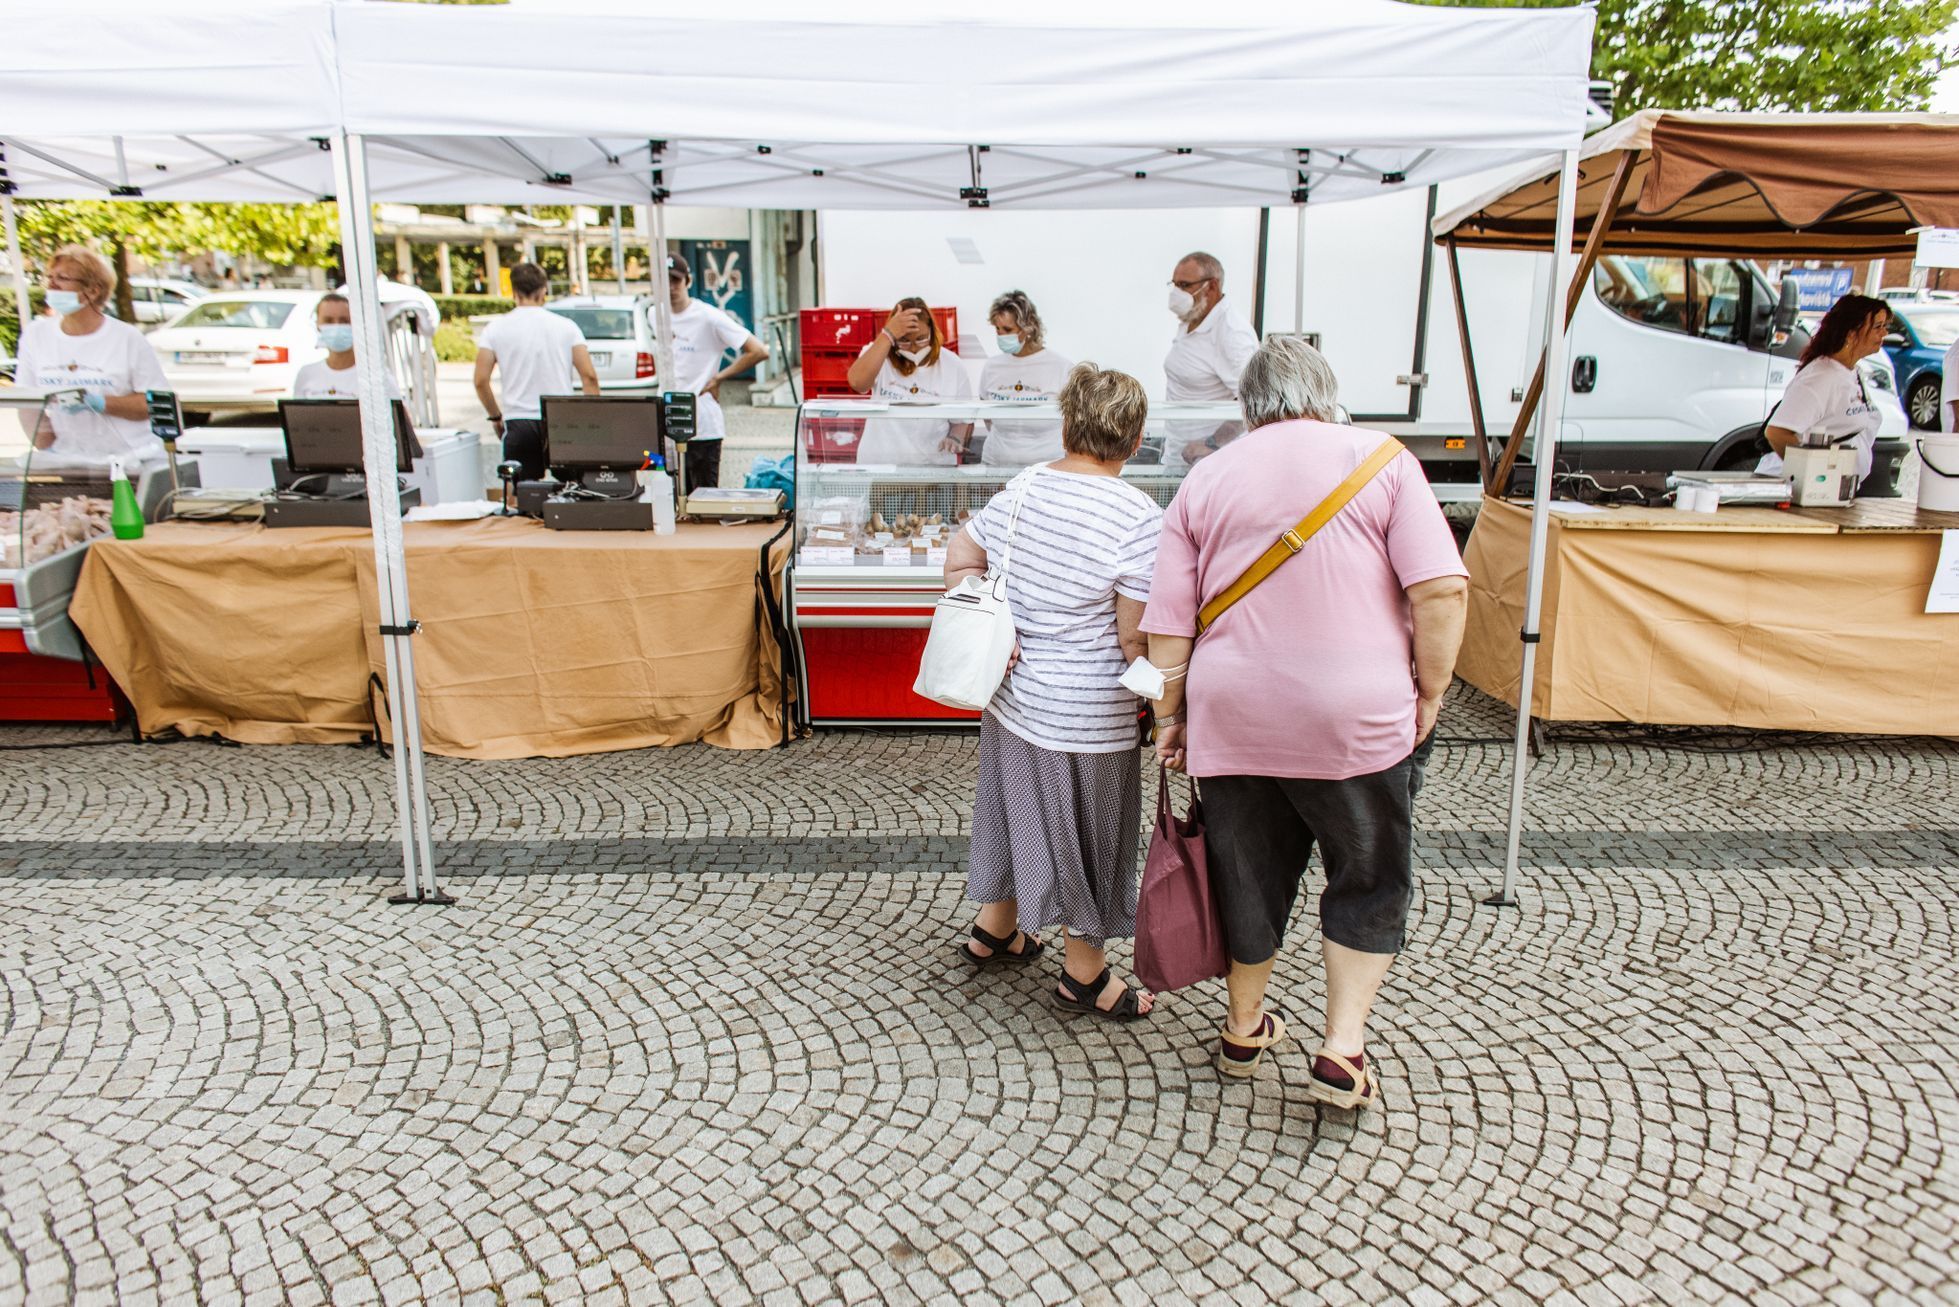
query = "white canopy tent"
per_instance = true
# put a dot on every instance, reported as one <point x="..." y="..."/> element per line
<point x="1259" y="103"/>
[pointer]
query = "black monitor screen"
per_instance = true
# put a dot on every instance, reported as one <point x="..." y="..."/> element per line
<point x="324" y="435"/>
<point x="592" y="431"/>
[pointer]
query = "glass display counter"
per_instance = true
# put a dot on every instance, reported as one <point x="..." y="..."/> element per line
<point x="880" y="490"/>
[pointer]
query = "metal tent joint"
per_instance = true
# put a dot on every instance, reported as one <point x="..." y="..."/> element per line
<point x="409" y="627"/>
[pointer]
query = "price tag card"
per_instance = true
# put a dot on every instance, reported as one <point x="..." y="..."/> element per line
<point x="935" y="557"/>
<point x="897" y="556"/>
<point x="826" y="556"/>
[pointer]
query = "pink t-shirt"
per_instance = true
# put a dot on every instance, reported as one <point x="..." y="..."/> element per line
<point x="1311" y="674"/>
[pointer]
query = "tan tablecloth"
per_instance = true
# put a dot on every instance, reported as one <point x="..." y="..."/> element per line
<point x="534" y="643"/>
<point x="1747" y="618"/>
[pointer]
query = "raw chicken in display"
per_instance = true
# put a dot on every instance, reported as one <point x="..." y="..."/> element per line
<point x="50" y="529"/>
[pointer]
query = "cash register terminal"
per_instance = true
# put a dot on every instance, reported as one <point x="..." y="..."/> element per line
<point x="321" y="481"/>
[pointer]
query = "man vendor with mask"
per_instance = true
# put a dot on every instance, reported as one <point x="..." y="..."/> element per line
<point x="1211" y="346"/>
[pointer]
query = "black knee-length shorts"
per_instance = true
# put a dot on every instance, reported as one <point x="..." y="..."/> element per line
<point x="1260" y="831"/>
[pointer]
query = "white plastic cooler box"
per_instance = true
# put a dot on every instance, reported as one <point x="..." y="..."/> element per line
<point x="241" y="459"/>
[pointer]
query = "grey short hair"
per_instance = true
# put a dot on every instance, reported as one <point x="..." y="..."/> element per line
<point x="1287" y="379"/>
<point x="1206" y="264"/>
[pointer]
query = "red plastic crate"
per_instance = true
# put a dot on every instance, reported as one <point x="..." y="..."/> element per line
<point x="827" y="374"/>
<point x="850" y="329"/>
<point x="832" y="440"/>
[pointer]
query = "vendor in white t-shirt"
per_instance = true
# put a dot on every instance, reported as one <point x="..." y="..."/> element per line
<point x="1826" y="400"/>
<point x="702" y="337"/>
<point x="535" y="353"/>
<point x="908" y="363"/>
<point x="1024" y="372"/>
<point x="81" y="348"/>
<point x="1210" y="349"/>
<point x="336" y="376"/>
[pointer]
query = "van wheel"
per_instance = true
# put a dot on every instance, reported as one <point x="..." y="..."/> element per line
<point x="1922" y="403"/>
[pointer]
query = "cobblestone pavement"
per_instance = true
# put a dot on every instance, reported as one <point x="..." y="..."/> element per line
<point x="695" y="1032"/>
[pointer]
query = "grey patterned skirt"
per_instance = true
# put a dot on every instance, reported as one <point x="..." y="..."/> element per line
<point x="1058" y="832"/>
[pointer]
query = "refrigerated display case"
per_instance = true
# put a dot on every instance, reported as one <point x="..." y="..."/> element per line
<point x="52" y="508"/>
<point x="871" y="537"/>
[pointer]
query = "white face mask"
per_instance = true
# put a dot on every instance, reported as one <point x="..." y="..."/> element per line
<point x="1145" y="680"/>
<point x="914" y="356"/>
<point x="1181" y="301"/>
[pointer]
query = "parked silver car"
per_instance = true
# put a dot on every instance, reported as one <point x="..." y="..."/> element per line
<point x="618" y="334"/>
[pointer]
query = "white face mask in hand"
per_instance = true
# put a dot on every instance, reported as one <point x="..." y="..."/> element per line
<point x="1147" y="681"/>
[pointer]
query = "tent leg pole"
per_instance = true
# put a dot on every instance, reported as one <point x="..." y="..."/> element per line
<point x="618" y="253"/>
<point x="1299" y="268"/>
<point x="390" y="572"/>
<point x="1469" y="368"/>
<point x="663" y="328"/>
<point x="1558" y="325"/>
<point x="21" y="305"/>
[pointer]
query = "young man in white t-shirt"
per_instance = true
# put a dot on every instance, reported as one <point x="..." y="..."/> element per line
<point x="702" y="337"/>
<point x="336" y="376"/>
<point x="538" y="353"/>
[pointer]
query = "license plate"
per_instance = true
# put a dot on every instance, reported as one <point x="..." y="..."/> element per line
<point x="600" y="360"/>
<point x="217" y="357"/>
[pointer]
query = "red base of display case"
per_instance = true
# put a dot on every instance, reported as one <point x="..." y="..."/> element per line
<point x="38" y="689"/>
<point x="866" y="675"/>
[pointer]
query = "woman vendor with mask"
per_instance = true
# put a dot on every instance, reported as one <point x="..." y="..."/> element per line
<point x="908" y="364"/>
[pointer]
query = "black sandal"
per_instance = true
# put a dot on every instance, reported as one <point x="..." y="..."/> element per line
<point x="1030" y="948"/>
<point x="1127" y="1008"/>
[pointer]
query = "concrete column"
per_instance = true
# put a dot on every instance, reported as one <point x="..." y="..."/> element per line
<point x="404" y="257"/>
<point x="448" y="278"/>
<point x="492" y="269"/>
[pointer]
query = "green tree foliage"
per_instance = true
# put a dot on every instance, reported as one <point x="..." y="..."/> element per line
<point x="301" y="234"/>
<point x="1806" y="55"/>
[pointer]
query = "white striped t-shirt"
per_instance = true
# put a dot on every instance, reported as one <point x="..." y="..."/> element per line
<point x="1082" y="540"/>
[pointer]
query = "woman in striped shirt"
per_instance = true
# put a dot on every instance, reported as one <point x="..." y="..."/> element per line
<point x="1060" y="784"/>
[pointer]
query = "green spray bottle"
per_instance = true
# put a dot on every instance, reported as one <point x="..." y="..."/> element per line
<point x="125" y="518"/>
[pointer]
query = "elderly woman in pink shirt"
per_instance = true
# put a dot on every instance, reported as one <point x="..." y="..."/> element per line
<point x="1311" y="701"/>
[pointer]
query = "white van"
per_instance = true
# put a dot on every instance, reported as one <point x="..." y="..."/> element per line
<point x="1674" y="362"/>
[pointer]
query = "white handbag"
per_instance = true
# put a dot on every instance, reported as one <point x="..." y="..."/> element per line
<point x="973" y="634"/>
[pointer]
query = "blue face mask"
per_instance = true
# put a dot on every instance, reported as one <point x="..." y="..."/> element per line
<point x="64" y="302"/>
<point x="1008" y="344"/>
<point x="337" y="337"/>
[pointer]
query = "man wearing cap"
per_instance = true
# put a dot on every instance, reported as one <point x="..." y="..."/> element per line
<point x="702" y="337"/>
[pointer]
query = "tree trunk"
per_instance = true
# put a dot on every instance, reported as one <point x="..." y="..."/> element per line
<point x="125" y="295"/>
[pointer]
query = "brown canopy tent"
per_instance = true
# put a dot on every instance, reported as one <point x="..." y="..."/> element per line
<point x="1778" y="186"/>
<point x="1764" y="185"/>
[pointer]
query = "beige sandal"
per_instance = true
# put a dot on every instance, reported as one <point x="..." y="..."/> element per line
<point x="1361" y="1095"/>
<point x="1271" y="1031"/>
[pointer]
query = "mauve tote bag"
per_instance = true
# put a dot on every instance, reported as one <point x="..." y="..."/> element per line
<point x="1179" y="936"/>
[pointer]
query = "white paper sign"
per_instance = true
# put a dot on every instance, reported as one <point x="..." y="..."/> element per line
<point x="935" y="557"/>
<point x="898" y="556"/>
<point x="826" y="556"/>
<point x="1938" y="247"/>
<point x="1944" y="596"/>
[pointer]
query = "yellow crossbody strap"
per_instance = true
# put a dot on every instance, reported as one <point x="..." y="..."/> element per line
<point x="1295" y="540"/>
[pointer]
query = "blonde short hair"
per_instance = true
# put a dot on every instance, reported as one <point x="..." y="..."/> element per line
<point x="1102" y="412"/>
<point x="89" y="268"/>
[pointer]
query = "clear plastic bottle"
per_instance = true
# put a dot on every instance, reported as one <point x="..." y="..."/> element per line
<point x="656" y="488"/>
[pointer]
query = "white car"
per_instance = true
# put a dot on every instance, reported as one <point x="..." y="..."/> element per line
<point x="159" y="299"/>
<point x="241" y="349"/>
<point x="618" y="335"/>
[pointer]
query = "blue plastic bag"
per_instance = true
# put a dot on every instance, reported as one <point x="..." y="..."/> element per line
<point x="774" y="474"/>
